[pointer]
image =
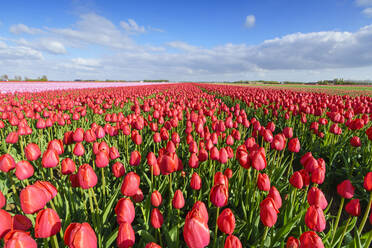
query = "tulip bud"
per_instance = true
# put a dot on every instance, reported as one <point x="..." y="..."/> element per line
<point x="125" y="211"/>
<point x="223" y="156"/>
<point x="345" y="189"/>
<point x="156" y="218"/>
<point x="178" y="201"/>
<point x="130" y="184"/>
<point x="232" y="242"/>
<point x="296" y="180"/>
<point x="7" y="163"/>
<point x="193" y="161"/>
<point x="118" y="169"/>
<point x="68" y="166"/>
<point x="102" y="159"/>
<point x="195" y="230"/>
<point x="21" y="222"/>
<point x="79" y="235"/>
<point x="126" y="237"/>
<point x="219" y="195"/>
<point x="196" y="181"/>
<point x="32" y="199"/>
<point x="16" y="238"/>
<point x="310" y="240"/>
<point x="32" y="152"/>
<point x="314" y="219"/>
<point x="86" y="176"/>
<point x="353" y="207"/>
<point x="316" y="197"/>
<point x="24" y="170"/>
<point x="50" y="158"/>
<point x="274" y="193"/>
<point x="47" y="223"/>
<point x="226" y="221"/>
<point x="292" y="242"/>
<point x="263" y="182"/>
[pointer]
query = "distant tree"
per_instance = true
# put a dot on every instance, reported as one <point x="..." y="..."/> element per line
<point x="4" y="77"/>
<point x="44" y="78"/>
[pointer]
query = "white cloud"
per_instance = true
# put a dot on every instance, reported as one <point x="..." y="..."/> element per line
<point x="363" y="2"/>
<point x="87" y="62"/>
<point x="367" y="12"/>
<point x="182" y="46"/>
<point x="250" y="21"/>
<point x="52" y="46"/>
<point x="22" y="28"/>
<point x="132" y="27"/>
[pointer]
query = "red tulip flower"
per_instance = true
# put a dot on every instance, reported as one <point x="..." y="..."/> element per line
<point x="316" y="197"/>
<point x="310" y="240"/>
<point x="345" y="189"/>
<point x="24" y="170"/>
<point x="125" y="211"/>
<point x="102" y="159"/>
<point x="17" y="238"/>
<point x="130" y="184"/>
<point x="156" y="198"/>
<point x="2" y="200"/>
<point x="368" y="181"/>
<point x="32" y="199"/>
<point x="68" y="166"/>
<point x="135" y="158"/>
<point x="315" y="219"/>
<point x="232" y="242"/>
<point x="263" y="182"/>
<point x="6" y="223"/>
<point x="156" y="218"/>
<point x="32" y="152"/>
<point x="118" y="169"/>
<point x="47" y="223"/>
<point x="292" y="242"/>
<point x="226" y="221"/>
<point x="79" y="235"/>
<point x="178" y="201"/>
<point x="219" y="195"/>
<point x="7" y="163"/>
<point x="268" y="212"/>
<point x="126" y="237"/>
<point x="196" y="181"/>
<point x="353" y="207"/>
<point x="86" y="176"/>
<point x="195" y="231"/>
<point x="50" y="158"/>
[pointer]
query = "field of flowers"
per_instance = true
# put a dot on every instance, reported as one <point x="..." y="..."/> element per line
<point x="185" y="165"/>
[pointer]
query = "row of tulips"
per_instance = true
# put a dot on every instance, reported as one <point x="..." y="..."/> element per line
<point x="185" y="166"/>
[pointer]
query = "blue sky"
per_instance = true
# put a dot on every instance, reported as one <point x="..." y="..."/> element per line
<point x="187" y="40"/>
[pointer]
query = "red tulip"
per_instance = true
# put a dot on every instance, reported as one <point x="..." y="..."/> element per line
<point x="223" y="156"/>
<point x="32" y="152"/>
<point x="268" y="212"/>
<point x="196" y="181"/>
<point x="196" y="231"/>
<point x="125" y="211"/>
<point x="130" y="184"/>
<point x="32" y="199"/>
<point x="5" y="223"/>
<point x="263" y="182"/>
<point x="315" y="219"/>
<point x="316" y="197"/>
<point x="156" y="218"/>
<point x="292" y="242"/>
<point x="232" y="242"/>
<point x="79" y="235"/>
<point x="368" y="181"/>
<point x="78" y="135"/>
<point x="226" y="221"/>
<point x="7" y="163"/>
<point x="102" y="159"/>
<point x="48" y="188"/>
<point x="193" y="161"/>
<point x="310" y="240"/>
<point x="258" y="158"/>
<point x="274" y="193"/>
<point x="86" y="176"/>
<point x="296" y="180"/>
<point x="288" y="132"/>
<point x="21" y="222"/>
<point x="355" y="141"/>
<point x="168" y="163"/>
<point x="114" y="153"/>
<point x="50" y="158"/>
<point x="345" y="189"/>
<point x="353" y="207"/>
<point x="126" y="237"/>
<point x="294" y="145"/>
<point x="56" y="145"/>
<point x="24" y="170"/>
<point x="138" y="197"/>
<point x="12" y="138"/>
<point x="118" y="169"/>
<point x="152" y="245"/>
<point x="19" y="239"/>
<point x="156" y="198"/>
<point x="68" y="166"/>
<point x="219" y="195"/>
<point x="178" y="201"/>
<point x="135" y="158"/>
<point x="47" y="223"/>
<point x="228" y="173"/>
<point x="79" y="149"/>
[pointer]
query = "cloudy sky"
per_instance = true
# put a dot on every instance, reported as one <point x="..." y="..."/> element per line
<point x="187" y="40"/>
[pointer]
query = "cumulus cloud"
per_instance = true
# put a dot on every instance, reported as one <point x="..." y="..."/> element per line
<point x="367" y="12"/>
<point x="132" y="27"/>
<point x="250" y="21"/>
<point x="22" y="28"/>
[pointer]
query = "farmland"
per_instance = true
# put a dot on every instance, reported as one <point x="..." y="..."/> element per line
<point x="185" y="165"/>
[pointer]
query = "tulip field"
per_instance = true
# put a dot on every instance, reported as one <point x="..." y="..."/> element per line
<point x="185" y="165"/>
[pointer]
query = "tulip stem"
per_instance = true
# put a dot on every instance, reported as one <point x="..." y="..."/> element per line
<point x="51" y="173"/>
<point x="216" y="228"/>
<point x="16" y="198"/>
<point x="365" y="217"/>
<point x="95" y="199"/>
<point x="338" y="218"/>
<point x="103" y="184"/>
<point x="54" y="241"/>
<point x="344" y="231"/>
<point x="264" y="236"/>
<point x="161" y="242"/>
